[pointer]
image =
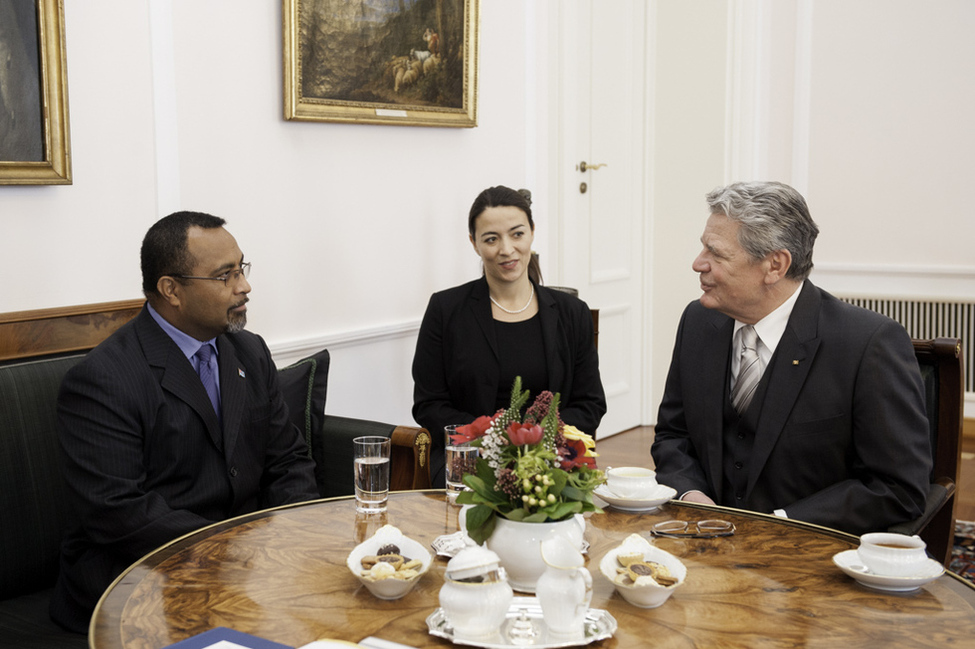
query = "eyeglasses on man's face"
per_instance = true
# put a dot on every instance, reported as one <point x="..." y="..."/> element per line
<point x="229" y="278"/>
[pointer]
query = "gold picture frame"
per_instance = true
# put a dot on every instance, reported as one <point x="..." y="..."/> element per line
<point x="35" y="146"/>
<point x="412" y="63"/>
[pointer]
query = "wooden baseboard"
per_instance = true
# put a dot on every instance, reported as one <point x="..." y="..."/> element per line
<point x="25" y="334"/>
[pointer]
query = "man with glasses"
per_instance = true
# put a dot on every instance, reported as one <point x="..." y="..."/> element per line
<point x="174" y="422"/>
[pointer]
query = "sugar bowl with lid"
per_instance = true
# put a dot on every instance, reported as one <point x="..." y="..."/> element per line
<point x="475" y="596"/>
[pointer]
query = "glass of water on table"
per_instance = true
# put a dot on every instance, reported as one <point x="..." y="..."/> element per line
<point x="371" y="473"/>
<point x="460" y="460"/>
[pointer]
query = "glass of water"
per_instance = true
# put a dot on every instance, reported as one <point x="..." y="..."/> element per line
<point x="460" y="460"/>
<point x="371" y="473"/>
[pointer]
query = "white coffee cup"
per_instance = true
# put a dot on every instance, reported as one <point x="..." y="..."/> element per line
<point x="632" y="482"/>
<point x="892" y="555"/>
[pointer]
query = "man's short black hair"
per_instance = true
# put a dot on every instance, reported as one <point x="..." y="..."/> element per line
<point x="164" y="249"/>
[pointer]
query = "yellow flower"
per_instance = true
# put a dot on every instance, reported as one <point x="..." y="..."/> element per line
<point x="571" y="432"/>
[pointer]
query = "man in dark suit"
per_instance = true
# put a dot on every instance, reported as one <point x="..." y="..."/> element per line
<point x="174" y="422"/>
<point x="821" y="416"/>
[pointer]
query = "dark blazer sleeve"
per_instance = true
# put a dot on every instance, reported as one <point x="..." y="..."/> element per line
<point x="445" y="390"/>
<point x="674" y="452"/>
<point x="288" y="471"/>
<point x="576" y="359"/>
<point x="883" y="435"/>
<point x="103" y="410"/>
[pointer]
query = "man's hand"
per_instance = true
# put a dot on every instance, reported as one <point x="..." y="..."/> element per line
<point x="697" y="497"/>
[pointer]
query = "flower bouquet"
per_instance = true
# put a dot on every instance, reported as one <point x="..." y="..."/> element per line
<point x="533" y="469"/>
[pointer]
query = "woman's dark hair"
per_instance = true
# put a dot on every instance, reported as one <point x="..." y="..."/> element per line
<point x="502" y="196"/>
<point x="164" y="249"/>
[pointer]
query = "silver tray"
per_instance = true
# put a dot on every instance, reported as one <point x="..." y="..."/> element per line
<point x="599" y="625"/>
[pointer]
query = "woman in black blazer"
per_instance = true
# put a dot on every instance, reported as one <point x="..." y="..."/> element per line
<point x="475" y="338"/>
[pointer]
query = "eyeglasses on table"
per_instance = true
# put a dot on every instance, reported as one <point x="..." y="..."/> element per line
<point x="706" y="529"/>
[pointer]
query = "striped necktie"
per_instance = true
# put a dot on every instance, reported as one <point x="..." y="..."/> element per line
<point x="749" y="370"/>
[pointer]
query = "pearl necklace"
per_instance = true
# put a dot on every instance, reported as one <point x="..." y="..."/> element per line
<point x="522" y="309"/>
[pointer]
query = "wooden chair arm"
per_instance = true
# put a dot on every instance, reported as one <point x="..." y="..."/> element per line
<point x="412" y="445"/>
<point x="948" y="484"/>
<point x="332" y="450"/>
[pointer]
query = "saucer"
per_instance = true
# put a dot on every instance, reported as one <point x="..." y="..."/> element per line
<point x="447" y="545"/>
<point x="660" y="495"/>
<point x="849" y="563"/>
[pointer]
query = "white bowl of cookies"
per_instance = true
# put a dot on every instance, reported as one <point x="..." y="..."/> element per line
<point x="389" y="563"/>
<point x="643" y="574"/>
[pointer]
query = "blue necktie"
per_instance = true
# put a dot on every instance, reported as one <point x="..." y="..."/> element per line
<point x="208" y="376"/>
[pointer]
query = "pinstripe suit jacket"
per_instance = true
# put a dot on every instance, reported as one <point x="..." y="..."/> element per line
<point x="842" y="437"/>
<point x="147" y="461"/>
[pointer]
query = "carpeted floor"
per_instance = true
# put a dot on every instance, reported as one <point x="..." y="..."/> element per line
<point x="963" y="556"/>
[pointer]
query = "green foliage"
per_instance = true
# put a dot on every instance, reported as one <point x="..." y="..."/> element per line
<point x="525" y="482"/>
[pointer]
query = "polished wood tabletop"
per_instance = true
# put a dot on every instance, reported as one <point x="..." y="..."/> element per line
<point x="280" y="574"/>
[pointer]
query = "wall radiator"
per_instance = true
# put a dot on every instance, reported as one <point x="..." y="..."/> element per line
<point x="931" y="320"/>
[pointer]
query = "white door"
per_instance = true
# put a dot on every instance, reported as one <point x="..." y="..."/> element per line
<point x="602" y="117"/>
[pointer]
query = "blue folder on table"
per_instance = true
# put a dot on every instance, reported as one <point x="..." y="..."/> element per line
<point x="221" y="634"/>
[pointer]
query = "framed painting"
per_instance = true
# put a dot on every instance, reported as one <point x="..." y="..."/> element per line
<point x="34" y="136"/>
<point x="411" y="62"/>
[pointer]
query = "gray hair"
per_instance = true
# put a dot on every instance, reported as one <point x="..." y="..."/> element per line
<point x="773" y="216"/>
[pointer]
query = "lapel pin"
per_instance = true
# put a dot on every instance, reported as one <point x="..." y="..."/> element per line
<point x="243" y="375"/>
<point x="795" y="362"/>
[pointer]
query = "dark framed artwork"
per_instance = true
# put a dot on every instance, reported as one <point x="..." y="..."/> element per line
<point x="411" y="62"/>
<point x="34" y="134"/>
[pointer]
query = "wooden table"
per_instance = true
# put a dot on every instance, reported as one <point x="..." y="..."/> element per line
<point x="281" y="574"/>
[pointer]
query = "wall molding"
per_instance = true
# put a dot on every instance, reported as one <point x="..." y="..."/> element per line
<point x="747" y="90"/>
<point x="289" y="351"/>
<point x="802" y="97"/>
<point x="950" y="283"/>
<point x="165" y="111"/>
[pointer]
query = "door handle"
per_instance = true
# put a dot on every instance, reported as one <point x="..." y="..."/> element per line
<point x="585" y="166"/>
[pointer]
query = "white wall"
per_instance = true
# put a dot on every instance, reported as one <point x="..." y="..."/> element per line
<point x="75" y="244"/>
<point x="863" y="106"/>
<point x="689" y="158"/>
<point x="349" y="227"/>
<point x="178" y="105"/>
<point x="891" y="132"/>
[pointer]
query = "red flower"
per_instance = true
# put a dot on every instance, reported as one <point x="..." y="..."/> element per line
<point x="521" y="434"/>
<point x="471" y="431"/>
<point x="574" y="454"/>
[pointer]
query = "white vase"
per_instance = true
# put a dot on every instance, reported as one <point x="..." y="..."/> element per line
<point x="518" y="545"/>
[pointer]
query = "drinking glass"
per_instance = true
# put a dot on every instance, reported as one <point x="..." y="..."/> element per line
<point x="371" y="473"/>
<point x="460" y="460"/>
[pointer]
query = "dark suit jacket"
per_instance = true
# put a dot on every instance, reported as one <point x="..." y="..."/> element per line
<point x="146" y="460"/>
<point x="456" y="370"/>
<point x="842" y="437"/>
